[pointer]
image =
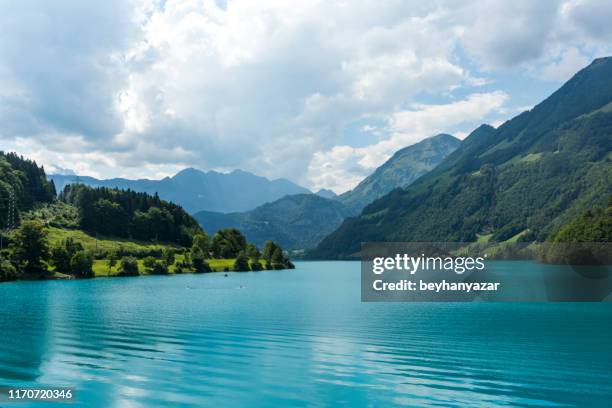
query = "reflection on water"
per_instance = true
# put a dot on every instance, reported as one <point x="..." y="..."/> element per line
<point x="24" y="331"/>
<point x="298" y="337"/>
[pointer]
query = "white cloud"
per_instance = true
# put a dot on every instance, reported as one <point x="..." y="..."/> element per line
<point x="342" y="167"/>
<point x="507" y="34"/>
<point x="570" y="61"/>
<point x="144" y="88"/>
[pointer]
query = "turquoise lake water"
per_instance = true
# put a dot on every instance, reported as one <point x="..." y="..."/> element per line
<point x="295" y="338"/>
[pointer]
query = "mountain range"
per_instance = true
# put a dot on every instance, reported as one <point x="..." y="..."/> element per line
<point x="279" y="209"/>
<point x="300" y="222"/>
<point x="521" y="181"/>
<point x="196" y="190"/>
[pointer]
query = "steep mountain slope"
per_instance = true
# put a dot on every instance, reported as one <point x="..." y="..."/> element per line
<point x="533" y="174"/>
<point x="195" y="190"/>
<point x="405" y="166"/>
<point x="296" y="222"/>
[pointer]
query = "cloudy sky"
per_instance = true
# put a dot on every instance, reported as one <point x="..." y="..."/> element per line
<point x="320" y="92"/>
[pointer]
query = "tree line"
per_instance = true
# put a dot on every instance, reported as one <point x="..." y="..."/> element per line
<point x="130" y="214"/>
<point x="31" y="255"/>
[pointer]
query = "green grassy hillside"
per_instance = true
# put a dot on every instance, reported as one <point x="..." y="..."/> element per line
<point x="104" y="244"/>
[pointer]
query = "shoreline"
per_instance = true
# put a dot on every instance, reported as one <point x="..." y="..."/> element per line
<point x="63" y="277"/>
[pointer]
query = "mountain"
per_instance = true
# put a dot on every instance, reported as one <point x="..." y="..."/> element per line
<point x="521" y="181"/>
<point x="405" y="166"/>
<point x="325" y="193"/>
<point x="296" y="222"/>
<point x="196" y="190"/>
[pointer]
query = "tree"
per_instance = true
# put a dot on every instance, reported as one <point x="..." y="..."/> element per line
<point x="30" y="247"/>
<point x="60" y="259"/>
<point x="129" y="266"/>
<point x="202" y="241"/>
<point x="62" y="254"/>
<point x="199" y="263"/>
<point x="81" y="264"/>
<point x="168" y="256"/>
<point x="154" y="266"/>
<point x="278" y="260"/>
<point x="269" y="248"/>
<point x="227" y="243"/>
<point x="7" y="271"/>
<point x="187" y="258"/>
<point x="273" y="255"/>
<point x="72" y="246"/>
<point x="253" y="253"/>
<point x="159" y="268"/>
<point x="109" y="217"/>
<point x="241" y="263"/>
<point x="112" y="260"/>
<point x="149" y="262"/>
<point x="254" y="256"/>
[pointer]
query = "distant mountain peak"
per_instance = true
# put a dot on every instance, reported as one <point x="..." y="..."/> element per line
<point x="326" y="193"/>
<point x="405" y="166"/>
<point x="188" y="172"/>
<point x="443" y="137"/>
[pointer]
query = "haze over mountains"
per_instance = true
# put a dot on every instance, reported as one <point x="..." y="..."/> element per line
<point x="196" y="190"/>
<point x="521" y="181"/>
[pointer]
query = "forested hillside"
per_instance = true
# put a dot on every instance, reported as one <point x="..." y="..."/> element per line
<point x="524" y="180"/>
<point x="89" y="232"/>
<point x="128" y="214"/>
<point x="595" y="225"/>
<point x="22" y="184"/>
<point x="296" y="222"/>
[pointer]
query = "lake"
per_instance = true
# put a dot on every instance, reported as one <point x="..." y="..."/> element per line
<point x="296" y="338"/>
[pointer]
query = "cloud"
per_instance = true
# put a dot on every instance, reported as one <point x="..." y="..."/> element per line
<point x="342" y="167"/>
<point x="284" y="89"/>
<point x="60" y="68"/>
<point x="512" y="34"/>
<point x="505" y="34"/>
<point x="570" y="61"/>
